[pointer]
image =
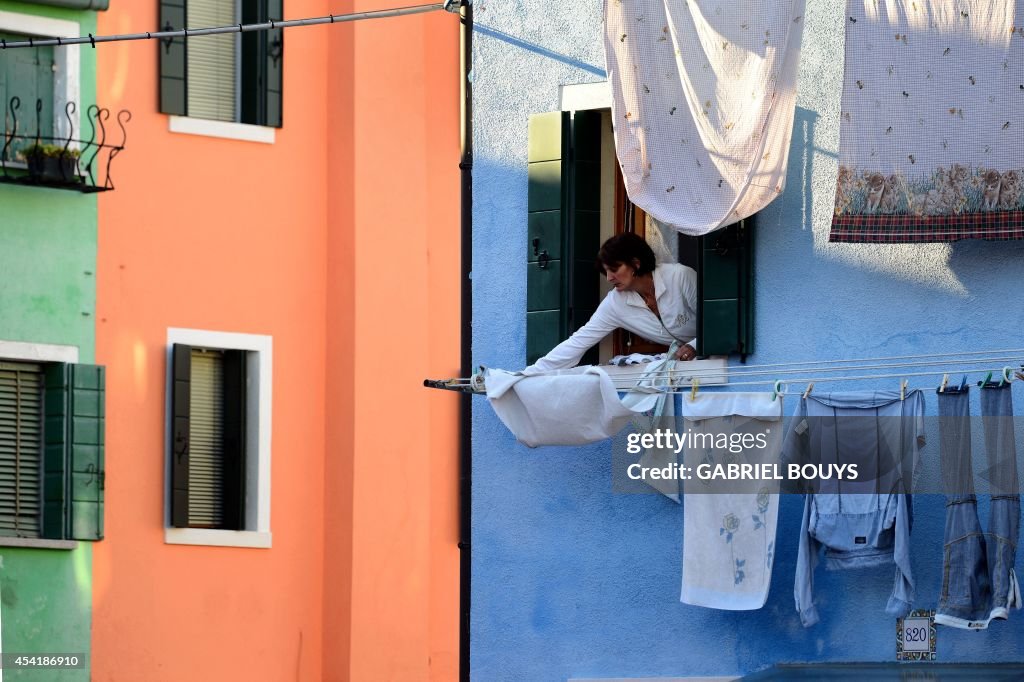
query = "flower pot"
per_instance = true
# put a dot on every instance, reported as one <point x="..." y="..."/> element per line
<point x="63" y="168"/>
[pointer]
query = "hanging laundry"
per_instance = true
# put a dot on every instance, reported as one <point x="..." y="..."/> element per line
<point x="703" y="101"/>
<point x="729" y="537"/>
<point x="865" y="522"/>
<point x="564" y="407"/>
<point x="979" y="583"/>
<point x="931" y="120"/>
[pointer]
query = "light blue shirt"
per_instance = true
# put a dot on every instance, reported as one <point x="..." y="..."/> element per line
<point x="864" y="522"/>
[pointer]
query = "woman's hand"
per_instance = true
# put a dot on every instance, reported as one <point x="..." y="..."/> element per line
<point x="686" y="352"/>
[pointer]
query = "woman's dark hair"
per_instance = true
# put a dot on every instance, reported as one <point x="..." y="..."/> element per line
<point x="624" y="248"/>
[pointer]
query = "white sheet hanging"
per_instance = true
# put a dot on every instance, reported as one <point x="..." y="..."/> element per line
<point x="703" y="99"/>
<point x="564" y="407"/>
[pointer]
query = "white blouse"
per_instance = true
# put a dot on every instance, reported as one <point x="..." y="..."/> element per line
<point x="675" y="289"/>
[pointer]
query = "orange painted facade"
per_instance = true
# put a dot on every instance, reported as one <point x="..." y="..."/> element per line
<point x="340" y="241"/>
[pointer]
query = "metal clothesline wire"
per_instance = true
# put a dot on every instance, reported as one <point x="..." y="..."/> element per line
<point x="733" y="371"/>
<point x="90" y="39"/>
<point x="686" y="386"/>
<point x="804" y="363"/>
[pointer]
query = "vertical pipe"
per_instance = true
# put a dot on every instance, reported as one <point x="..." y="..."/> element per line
<point x="466" y="359"/>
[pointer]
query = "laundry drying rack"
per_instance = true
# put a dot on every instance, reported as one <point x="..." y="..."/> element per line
<point x="1000" y="366"/>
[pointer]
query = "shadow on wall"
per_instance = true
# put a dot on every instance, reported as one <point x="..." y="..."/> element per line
<point x="539" y="49"/>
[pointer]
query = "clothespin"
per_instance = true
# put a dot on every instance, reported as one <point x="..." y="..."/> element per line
<point x="777" y="390"/>
<point x="807" y="392"/>
<point x="942" y="386"/>
<point x="693" y="389"/>
<point x="1019" y="376"/>
<point x="903" y="389"/>
<point x="988" y="378"/>
<point x="1007" y="375"/>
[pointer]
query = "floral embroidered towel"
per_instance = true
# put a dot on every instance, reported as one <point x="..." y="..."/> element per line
<point x="729" y="525"/>
<point x="703" y="99"/>
<point x="932" y="117"/>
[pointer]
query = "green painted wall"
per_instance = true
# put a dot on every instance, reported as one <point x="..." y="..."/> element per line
<point x="48" y="295"/>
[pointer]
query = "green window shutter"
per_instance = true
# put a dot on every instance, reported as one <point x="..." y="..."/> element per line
<point x="21" y="445"/>
<point x="725" y="290"/>
<point x="234" y="428"/>
<point x="563" y="227"/>
<point x="262" y="65"/>
<point x="584" y="230"/>
<point x="173" y="54"/>
<point x="27" y="73"/>
<point x="547" y="203"/>
<point x="274" y="60"/>
<point x="181" y="372"/>
<point x="74" y="469"/>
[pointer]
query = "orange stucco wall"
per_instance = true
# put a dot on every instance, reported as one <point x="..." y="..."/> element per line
<point x="341" y="241"/>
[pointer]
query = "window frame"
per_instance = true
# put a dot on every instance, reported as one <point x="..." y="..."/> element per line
<point x="18" y="351"/>
<point x="67" y="79"/>
<point x="258" y="400"/>
<point x="243" y="128"/>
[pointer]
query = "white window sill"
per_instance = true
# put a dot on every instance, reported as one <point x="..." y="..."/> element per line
<point x="37" y="543"/>
<point x="217" y="538"/>
<point x="222" y="129"/>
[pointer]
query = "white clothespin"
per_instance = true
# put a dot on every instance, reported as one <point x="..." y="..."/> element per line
<point x="808" y="391"/>
<point x="903" y="389"/>
<point x="693" y="390"/>
<point x="942" y="386"/>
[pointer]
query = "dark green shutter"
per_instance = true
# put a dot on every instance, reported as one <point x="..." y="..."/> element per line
<point x="546" y="203"/>
<point x="27" y="73"/>
<point x="234" y="439"/>
<point x="262" y="64"/>
<point x="74" y="469"/>
<point x="173" y="59"/>
<point x="181" y="357"/>
<point x="21" y="444"/>
<point x="274" y="59"/>
<point x="725" y="288"/>
<point x="563" y="226"/>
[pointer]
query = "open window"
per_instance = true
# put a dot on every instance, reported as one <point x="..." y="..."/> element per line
<point x="576" y="200"/>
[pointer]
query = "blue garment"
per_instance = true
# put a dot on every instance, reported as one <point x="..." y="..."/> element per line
<point x="863" y="522"/>
<point x="978" y="580"/>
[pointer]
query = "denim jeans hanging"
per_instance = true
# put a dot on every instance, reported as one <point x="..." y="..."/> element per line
<point x="979" y="582"/>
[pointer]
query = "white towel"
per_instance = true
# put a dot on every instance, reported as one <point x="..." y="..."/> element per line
<point x="729" y="538"/>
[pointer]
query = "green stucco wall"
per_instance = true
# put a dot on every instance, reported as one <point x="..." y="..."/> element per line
<point x="48" y="295"/>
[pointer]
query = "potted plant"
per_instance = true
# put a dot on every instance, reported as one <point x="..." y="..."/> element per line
<point x="52" y="162"/>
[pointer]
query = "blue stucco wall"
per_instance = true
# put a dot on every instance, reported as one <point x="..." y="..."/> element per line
<point x="570" y="580"/>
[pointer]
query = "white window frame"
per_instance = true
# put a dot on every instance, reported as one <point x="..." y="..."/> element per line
<point x="67" y="80"/>
<point x="258" y="401"/>
<point x="19" y="351"/>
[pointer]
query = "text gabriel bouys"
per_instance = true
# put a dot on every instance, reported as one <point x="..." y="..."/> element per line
<point x="736" y="471"/>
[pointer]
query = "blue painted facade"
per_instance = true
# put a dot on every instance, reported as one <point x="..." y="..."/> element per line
<point x="572" y="581"/>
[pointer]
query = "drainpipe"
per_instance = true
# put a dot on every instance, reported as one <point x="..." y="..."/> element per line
<point x="466" y="362"/>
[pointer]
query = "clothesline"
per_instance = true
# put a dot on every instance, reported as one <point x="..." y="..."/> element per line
<point x="968" y="362"/>
<point x="448" y="5"/>
<point x="743" y="371"/>
<point x="474" y="385"/>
